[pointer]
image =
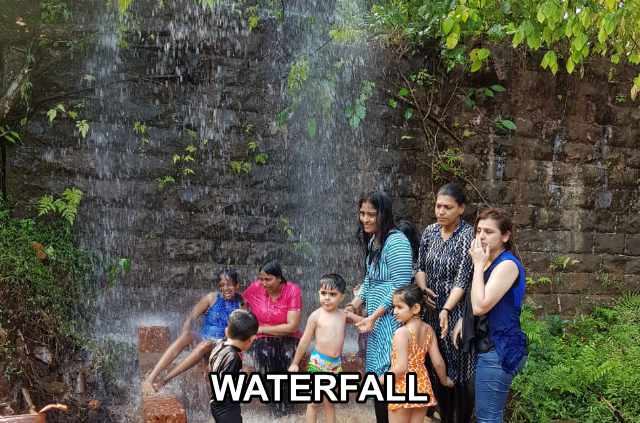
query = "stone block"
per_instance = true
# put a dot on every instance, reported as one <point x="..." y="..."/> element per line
<point x="575" y="283"/>
<point x="578" y="152"/>
<point x="535" y="262"/>
<point x="632" y="283"/>
<point x="612" y="243"/>
<point x="582" y="242"/>
<point x="632" y="246"/>
<point x="587" y="263"/>
<point x="632" y="267"/>
<point x="153" y="339"/>
<point x="163" y="409"/>
<point x="632" y="223"/>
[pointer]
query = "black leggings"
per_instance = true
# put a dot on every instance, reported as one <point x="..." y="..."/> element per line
<point x="273" y="354"/>
<point x="455" y="404"/>
<point x="382" y="411"/>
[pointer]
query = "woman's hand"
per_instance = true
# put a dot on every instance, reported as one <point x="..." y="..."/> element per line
<point x="456" y="335"/>
<point x="294" y="368"/>
<point x="479" y="255"/>
<point x="444" y="323"/>
<point x="365" y="325"/>
<point x="448" y="383"/>
<point x="429" y="297"/>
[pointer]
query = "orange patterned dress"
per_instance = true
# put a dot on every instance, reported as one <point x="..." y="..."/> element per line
<point x="416" y="355"/>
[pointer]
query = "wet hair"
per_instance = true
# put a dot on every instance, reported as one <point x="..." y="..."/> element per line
<point x="409" y="230"/>
<point x="242" y="325"/>
<point x="454" y="191"/>
<point x="273" y="268"/>
<point x="229" y="273"/>
<point x="384" y="219"/>
<point x="411" y="295"/>
<point x="333" y="281"/>
<point x="503" y="221"/>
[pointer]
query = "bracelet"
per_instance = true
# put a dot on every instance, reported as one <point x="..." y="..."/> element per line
<point x="447" y="310"/>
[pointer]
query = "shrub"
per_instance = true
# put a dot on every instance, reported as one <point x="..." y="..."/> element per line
<point x="585" y="370"/>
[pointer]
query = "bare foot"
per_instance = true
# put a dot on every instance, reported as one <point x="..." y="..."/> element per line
<point x="148" y="388"/>
<point x="158" y="385"/>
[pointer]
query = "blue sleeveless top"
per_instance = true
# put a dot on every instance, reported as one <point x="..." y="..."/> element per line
<point x="215" y="319"/>
<point x="504" y="318"/>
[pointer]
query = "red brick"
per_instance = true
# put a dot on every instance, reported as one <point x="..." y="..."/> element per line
<point x="163" y="409"/>
<point x="153" y="339"/>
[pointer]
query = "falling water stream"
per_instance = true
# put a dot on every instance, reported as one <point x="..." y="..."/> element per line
<point x="173" y="74"/>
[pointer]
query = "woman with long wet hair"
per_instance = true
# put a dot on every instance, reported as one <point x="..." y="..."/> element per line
<point x="444" y="274"/>
<point x="388" y="264"/>
<point x="277" y="304"/>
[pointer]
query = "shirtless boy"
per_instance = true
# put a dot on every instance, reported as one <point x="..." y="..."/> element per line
<point x="327" y="325"/>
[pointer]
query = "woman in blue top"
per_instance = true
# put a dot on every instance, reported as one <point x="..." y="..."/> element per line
<point x="215" y="307"/>
<point x="497" y="292"/>
<point x="388" y="266"/>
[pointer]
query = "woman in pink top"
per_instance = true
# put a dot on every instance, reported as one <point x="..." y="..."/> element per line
<point x="277" y="304"/>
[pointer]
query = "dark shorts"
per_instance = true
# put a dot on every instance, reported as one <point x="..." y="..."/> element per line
<point x="228" y="413"/>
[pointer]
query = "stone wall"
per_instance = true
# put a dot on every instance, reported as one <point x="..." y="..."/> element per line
<point x="569" y="172"/>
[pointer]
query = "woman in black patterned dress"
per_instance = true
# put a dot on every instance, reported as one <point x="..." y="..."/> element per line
<point x="444" y="273"/>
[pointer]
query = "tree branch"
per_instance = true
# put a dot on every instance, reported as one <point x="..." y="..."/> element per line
<point x="11" y="95"/>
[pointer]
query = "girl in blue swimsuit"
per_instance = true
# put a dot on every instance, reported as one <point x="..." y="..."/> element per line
<point x="215" y="307"/>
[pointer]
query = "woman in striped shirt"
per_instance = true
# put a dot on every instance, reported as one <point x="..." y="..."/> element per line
<point x="388" y="264"/>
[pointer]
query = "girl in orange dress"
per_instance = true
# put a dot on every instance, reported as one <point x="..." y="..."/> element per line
<point x="411" y="342"/>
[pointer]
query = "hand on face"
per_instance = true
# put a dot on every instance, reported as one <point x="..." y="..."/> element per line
<point x="479" y="255"/>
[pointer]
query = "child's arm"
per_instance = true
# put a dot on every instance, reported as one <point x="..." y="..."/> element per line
<point x="309" y="331"/>
<point x="436" y="359"/>
<point x="352" y="317"/>
<point x="401" y="343"/>
<point x="200" y="308"/>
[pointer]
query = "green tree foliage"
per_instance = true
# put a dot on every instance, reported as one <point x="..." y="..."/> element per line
<point x="569" y="32"/>
<point x="587" y="370"/>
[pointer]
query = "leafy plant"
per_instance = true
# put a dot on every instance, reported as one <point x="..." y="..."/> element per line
<point x="477" y="95"/>
<point x="240" y="166"/>
<point x="298" y="74"/>
<point x="448" y="164"/>
<point x="163" y="181"/>
<point x="9" y="135"/>
<point x="505" y="125"/>
<point x="357" y="111"/>
<point x="254" y="155"/>
<point x="66" y="206"/>
<point x="253" y="19"/>
<point x="141" y="129"/>
<point x="558" y="265"/>
<point x="59" y="110"/>
<point x="46" y="290"/>
<point x="118" y="270"/>
<point x="584" y="370"/>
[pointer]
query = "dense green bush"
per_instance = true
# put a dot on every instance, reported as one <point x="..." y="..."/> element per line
<point x="44" y="290"/>
<point x="585" y="370"/>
